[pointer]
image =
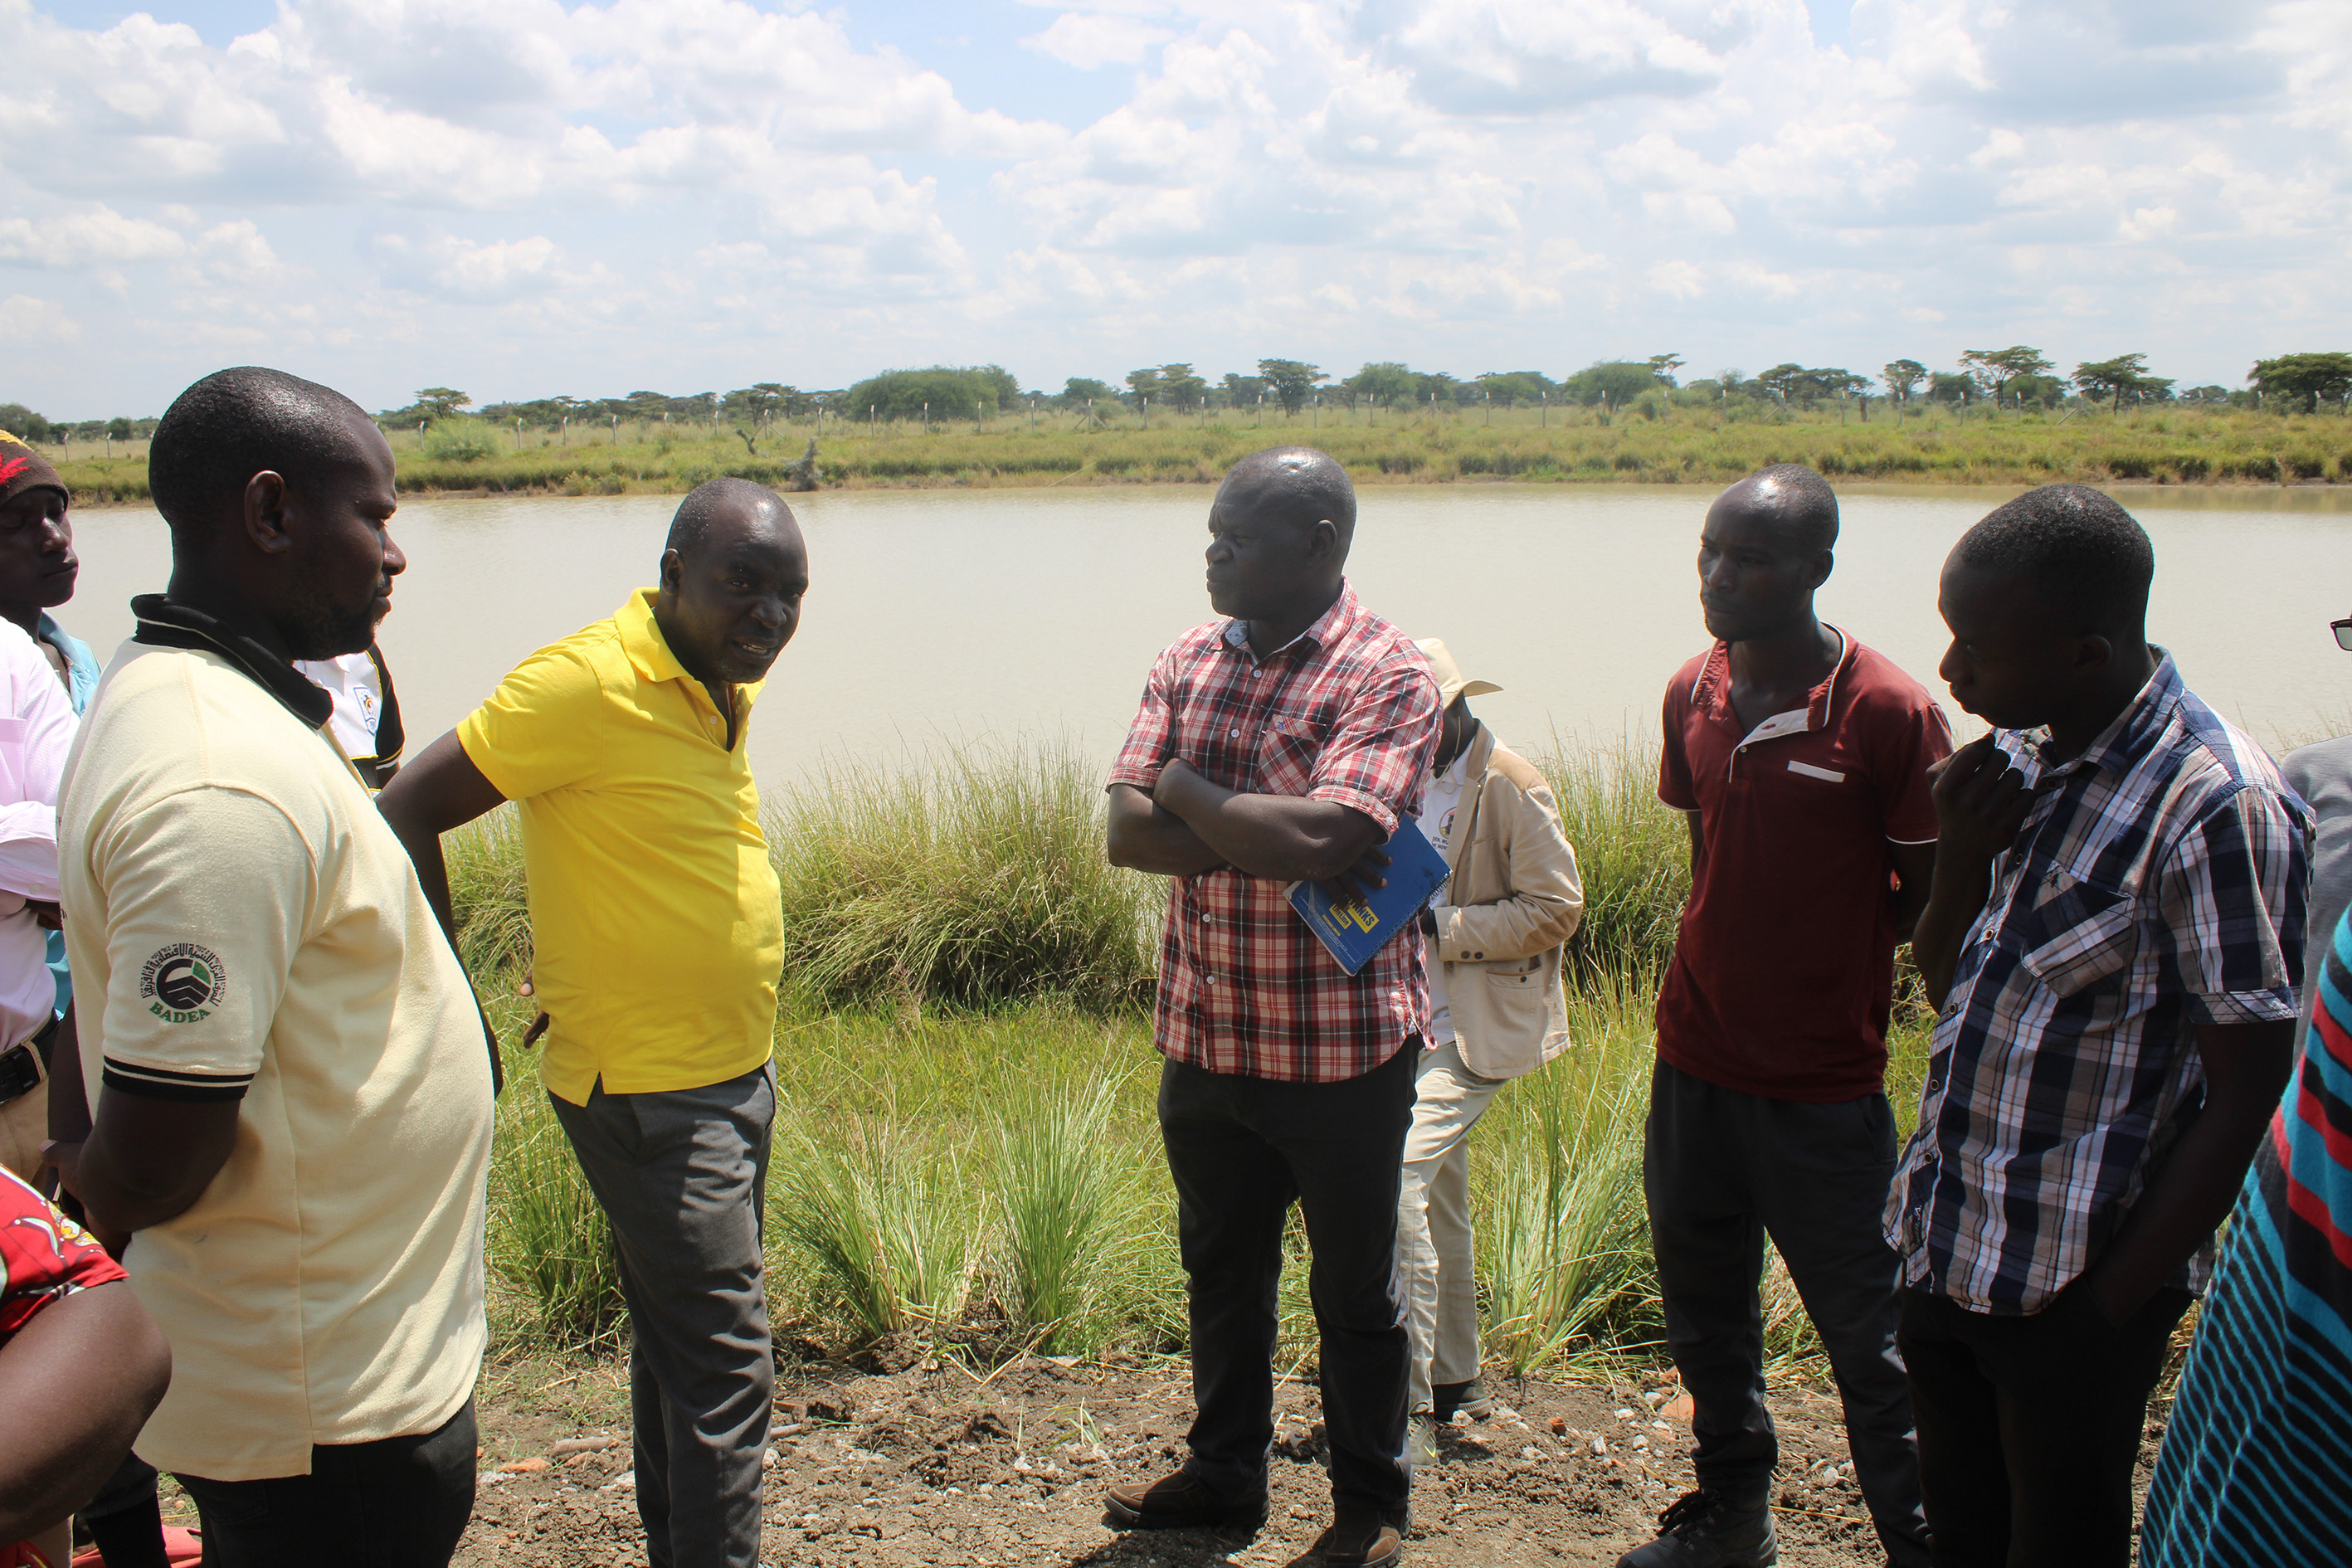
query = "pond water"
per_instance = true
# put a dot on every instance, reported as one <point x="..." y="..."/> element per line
<point x="1031" y="616"/>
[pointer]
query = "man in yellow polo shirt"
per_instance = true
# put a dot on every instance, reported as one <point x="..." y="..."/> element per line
<point x="657" y="938"/>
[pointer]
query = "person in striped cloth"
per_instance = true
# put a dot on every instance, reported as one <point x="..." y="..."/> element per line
<point x="2255" y="1468"/>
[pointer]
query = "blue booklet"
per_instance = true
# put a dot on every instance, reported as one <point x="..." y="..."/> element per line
<point x="1355" y="931"/>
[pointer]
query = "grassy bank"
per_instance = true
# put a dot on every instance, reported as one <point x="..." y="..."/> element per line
<point x="966" y="1152"/>
<point x="1679" y="445"/>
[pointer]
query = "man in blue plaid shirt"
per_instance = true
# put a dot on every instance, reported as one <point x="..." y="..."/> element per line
<point x="2112" y="941"/>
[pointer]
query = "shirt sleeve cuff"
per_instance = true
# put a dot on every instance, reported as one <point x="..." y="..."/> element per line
<point x="173" y="1083"/>
<point x="1126" y="773"/>
<point x="2248" y="1007"/>
<point x="1371" y="806"/>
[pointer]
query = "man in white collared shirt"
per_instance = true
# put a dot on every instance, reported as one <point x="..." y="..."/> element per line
<point x="36" y="726"/>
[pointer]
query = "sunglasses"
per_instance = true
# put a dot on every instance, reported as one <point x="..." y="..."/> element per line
<point x="2343" y="630"/>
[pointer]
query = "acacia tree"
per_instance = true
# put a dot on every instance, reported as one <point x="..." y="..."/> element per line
<point x="1291" y="381"/>
<point x="1994" y="369"/>
<point x="1383" y="384"/>
<point x="1181" y="387"/>
<point x="2125" y="375"/>
<point x="2311" y="377"/>
<point x="1664" y="366"/>
<point x="1902" y="377"/>
<point x="441" y="402"/>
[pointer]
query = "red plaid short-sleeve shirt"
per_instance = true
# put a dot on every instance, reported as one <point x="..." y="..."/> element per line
<point x="1346" y="711"/>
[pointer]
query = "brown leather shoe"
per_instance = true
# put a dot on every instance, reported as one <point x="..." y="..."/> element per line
<point x="1180" y="1502"/>
<point x="1362" y="1538"/>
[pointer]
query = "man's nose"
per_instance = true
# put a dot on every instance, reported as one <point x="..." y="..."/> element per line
<point x="769" y="611"/>
<point x="394" y="562"/>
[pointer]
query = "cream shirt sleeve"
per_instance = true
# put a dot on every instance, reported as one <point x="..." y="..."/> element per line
<point x="209" y="893"/>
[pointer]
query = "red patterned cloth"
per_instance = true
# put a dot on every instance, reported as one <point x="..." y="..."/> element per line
<point x="43" y="1257"/>
<point x="1346" y="711"/>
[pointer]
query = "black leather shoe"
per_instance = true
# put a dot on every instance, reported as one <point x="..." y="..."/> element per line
<point x="1710" y="1529"/>
<point x="1180" y="1502"/>
<point x="1362" y="1538"/>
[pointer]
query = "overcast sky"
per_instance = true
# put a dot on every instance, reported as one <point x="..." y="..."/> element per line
<point x="521" y="198"/>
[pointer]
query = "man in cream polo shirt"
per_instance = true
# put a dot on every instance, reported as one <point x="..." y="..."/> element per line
<point x="657" y="940"/>
<point x="293" y="1095"/>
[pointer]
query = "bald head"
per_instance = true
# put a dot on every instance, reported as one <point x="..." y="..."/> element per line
<point x="1278" y="537"/>
<point x="235" y="424"/>
<point x="1294" y="485"/>
<point x="733" y="576"/>
<point x="729" y="505"/>
<point x="1790" y="498"/>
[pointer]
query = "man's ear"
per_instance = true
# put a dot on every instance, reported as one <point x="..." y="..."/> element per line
<point x="2093" y="651"/>
<point x="1824" y="562"/>
<point x="265" y="521"/>
<point x="1322" y="538"/>
<point x="673" y="571"/>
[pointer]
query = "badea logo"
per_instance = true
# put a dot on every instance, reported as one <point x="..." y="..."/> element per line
<point x="182" y="981"/>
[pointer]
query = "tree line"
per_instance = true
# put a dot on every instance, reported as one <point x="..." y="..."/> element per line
<point x="2019" y="377"/>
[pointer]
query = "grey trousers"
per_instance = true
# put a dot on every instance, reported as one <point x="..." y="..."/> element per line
<point x="1722" y="1170"/>
<point x="682" y="1175"/>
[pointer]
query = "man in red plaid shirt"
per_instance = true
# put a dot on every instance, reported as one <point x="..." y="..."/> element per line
<point x="1279" y="744"/>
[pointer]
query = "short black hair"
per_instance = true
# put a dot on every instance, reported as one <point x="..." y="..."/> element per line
<point x="233" y="424"/>
<point x="2083" y="555"/>
<point x="1302" y="485"/>
<point x="1801" y="498"/>
<point x="690" y="528"/>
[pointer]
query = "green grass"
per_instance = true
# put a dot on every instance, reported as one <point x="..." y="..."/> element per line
<point x="1702" y="444"/>
<point x="967" y="1152"/>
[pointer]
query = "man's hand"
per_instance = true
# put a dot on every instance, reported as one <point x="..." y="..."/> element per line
<point x="1980" y="801"/>
<point x="1359" y="880"/>
<point x="1281" y="837"/>
<point x="540" y="1020"/>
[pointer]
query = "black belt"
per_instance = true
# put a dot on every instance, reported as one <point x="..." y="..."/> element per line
<point x="25" y="1065"/>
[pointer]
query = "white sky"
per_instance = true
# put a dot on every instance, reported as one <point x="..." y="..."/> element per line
<point x="521" y="198"/>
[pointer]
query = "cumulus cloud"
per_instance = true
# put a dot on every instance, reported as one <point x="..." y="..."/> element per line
<point x="548" y="189"/>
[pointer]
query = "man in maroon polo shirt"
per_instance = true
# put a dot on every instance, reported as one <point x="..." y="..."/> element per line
<point x="1802" y="759"/>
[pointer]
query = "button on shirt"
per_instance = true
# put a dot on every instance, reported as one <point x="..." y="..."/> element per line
<point x="2158" y="884"/>
<point x="657" y="920"/>
<point x="1783" y="969"/>
<point x="1347" y="712"/>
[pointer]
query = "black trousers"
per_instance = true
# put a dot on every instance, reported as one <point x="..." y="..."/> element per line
<point x="401" y="1502"/>
<point x="1722" y="1170"/>
<point x="1241" y="1150"/>
<point x="2029" y="1428"/>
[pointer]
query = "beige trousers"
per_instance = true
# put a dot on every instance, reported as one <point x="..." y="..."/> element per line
<point x="24" y="1128"/>
<point x="1436" y="1255"/>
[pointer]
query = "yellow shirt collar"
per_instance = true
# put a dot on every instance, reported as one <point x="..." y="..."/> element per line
<point x="649" y="651"/>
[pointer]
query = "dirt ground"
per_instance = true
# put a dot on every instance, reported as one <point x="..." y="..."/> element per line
<point x="936" y="1464"/>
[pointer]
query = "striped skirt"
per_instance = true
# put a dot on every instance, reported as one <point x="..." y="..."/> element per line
<point x="2256" y="1467"/>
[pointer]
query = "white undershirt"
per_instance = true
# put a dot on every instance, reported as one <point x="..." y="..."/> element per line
<point x="1436" y="821"/>
<point x="351" y="680"/>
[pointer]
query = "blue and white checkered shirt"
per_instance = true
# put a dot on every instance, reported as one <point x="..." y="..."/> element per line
<point x="2156" y="884"/>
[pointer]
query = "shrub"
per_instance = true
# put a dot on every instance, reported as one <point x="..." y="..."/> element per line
<point x="977" y="881"/>
<point x="548" y="1240"/>
<point x="461" y="441"/>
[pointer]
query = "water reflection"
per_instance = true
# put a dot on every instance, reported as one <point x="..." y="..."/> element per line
<point x="1029" y="615"/>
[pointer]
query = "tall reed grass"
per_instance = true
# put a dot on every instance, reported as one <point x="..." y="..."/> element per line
<point x="965" y="1085"/>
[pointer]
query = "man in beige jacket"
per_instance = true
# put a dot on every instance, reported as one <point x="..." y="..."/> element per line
<point x="1497" y="932"/>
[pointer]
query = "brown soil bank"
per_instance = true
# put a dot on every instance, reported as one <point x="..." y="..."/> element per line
<point x="937" y="1465"/>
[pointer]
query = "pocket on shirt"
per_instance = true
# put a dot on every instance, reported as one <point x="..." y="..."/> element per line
<point x="2082" y="935"/>
<point x="1288" y="745"/>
